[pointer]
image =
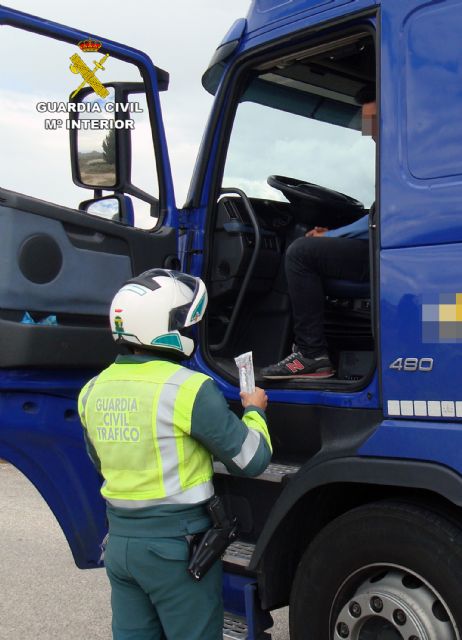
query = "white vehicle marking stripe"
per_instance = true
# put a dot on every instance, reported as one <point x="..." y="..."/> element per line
<point x="420" y="408"/>
<point x="425" y="408"/>
<point x="394" y="408"/>
<point x="407" y="407"/>
<point x="434" y="408"/>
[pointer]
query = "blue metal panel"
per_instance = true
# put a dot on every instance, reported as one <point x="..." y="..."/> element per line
<point x="41" y="435"/>
<point x="410" y="278"/>
<point x="436" y="442"/>
<point x="54" y="382"/>
<point x="434" y="127"/>
<point x="235" y="31"/>
<point x="264" y="14"/>
<point x="420" y="204"/>
<point x="240" y="597"/>
<point x="234" y="592"/>
<point x="421" y="130"/>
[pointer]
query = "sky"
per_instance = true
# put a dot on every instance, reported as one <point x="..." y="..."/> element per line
<point x="180" y="36"/>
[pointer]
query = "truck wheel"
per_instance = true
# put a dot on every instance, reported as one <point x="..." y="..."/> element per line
<point x="385" y="571"/>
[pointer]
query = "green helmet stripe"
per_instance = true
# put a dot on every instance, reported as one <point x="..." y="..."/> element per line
<point x="198" y="310"/>
<point x="170" y="340"/>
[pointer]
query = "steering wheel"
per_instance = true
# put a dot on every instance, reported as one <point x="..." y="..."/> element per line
<point x="315" y="202"/>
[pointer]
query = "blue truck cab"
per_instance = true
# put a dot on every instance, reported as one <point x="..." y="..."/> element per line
<point x="357" y="522"/>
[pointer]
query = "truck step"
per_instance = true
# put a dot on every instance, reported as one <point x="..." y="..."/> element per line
<point x="239" y="553"/>
<point x="234" y="628"/>
<point x="275" y="472"/>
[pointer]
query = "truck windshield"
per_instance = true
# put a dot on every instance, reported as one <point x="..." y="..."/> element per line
<point x="267" y="141"/>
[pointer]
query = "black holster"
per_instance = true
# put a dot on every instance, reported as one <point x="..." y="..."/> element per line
<point x="208" y="547"/>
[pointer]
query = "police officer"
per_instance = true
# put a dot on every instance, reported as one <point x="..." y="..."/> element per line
<point x="151" y="428"/>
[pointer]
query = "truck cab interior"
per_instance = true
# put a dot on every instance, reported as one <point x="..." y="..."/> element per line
<point x="296" y="160"/>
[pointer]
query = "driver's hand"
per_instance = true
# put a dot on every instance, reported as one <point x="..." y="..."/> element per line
<point x="317" y="232"/>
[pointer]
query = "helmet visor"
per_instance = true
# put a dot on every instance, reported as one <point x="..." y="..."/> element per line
<point x="180" y="317"/>
<point x="186" y="314"/>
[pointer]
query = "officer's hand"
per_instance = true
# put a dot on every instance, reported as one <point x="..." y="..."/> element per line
<point x="256" y="399"/>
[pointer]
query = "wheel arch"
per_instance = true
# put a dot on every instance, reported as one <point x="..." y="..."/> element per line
<point x="41" y="436"/>
<point x="320" y="494"/>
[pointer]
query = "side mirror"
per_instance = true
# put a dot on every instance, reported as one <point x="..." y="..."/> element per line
<point x="103" y="132"/>
<point x="117" y="207"/>
<point x="100" y="138"/>
<point x="96" y="159"/>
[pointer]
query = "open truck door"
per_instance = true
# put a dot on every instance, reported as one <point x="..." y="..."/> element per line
<point x="65" y="253"/>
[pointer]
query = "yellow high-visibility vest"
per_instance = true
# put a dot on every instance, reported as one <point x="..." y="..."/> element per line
<point x="138" y="418"/>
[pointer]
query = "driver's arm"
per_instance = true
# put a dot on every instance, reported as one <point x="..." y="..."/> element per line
<point x="358" y="229"/>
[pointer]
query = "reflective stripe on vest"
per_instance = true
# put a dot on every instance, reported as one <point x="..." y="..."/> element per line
<point x="189" y="496"/>
<point x="248" y="449"/>
<point x="83" y="399"/>
<point x="138" y="417"/>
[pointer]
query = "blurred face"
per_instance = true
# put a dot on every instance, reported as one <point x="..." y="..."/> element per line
<point x="369" y="119"/>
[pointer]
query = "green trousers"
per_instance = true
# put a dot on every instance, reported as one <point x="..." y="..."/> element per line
<point x="154" y="598"/>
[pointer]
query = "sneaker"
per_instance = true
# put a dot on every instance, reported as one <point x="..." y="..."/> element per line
<point x="298" y="367"/>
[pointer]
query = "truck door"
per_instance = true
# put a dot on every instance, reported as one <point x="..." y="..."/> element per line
<point x="70" y="234"/>
<point x="421" y="229"/>
<point x="63" y="255"/>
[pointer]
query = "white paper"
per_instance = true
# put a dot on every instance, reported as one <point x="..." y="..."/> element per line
<point x="244" y="364"/>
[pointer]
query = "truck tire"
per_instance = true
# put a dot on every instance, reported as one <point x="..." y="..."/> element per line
<point x="384" y="571"/>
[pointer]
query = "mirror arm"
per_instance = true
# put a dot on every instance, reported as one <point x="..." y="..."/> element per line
<point x="139" y="193"/>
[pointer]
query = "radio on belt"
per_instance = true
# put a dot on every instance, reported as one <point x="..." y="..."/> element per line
<point x="244" y="363"/>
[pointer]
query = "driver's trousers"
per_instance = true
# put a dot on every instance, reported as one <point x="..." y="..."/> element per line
<point x="308" y="262"/>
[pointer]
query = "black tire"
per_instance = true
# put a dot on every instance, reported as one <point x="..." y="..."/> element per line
<point x="389" y="535"/>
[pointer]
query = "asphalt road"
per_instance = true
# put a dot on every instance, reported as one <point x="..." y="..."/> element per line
<point x="43" y="595"/>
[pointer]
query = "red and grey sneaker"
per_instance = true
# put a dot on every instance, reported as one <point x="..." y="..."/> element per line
<point x="298" y="367"/>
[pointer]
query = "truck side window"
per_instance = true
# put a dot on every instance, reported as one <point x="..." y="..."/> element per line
<point x="144" y="171"/>
<point x="34" y="119"/>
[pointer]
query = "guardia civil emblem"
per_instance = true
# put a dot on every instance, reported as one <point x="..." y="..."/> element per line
<point x="88" y="75"/>
<point x="119" y="325"/>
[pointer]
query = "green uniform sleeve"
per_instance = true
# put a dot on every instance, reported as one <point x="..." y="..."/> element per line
<point x="244" y="446"/>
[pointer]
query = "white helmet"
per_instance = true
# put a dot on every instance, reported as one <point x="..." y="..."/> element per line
<point x="152" y="309"/>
